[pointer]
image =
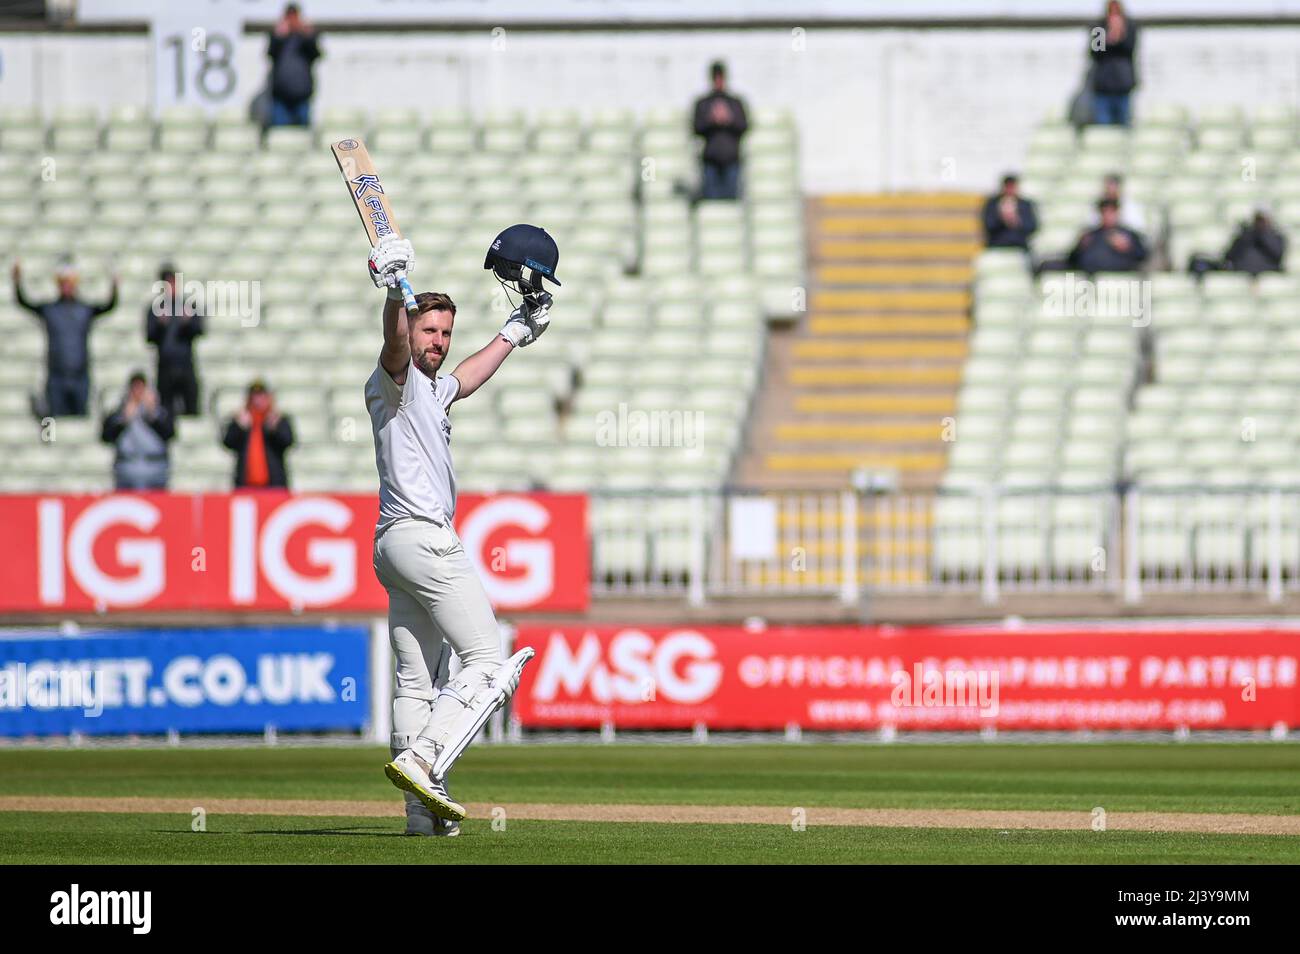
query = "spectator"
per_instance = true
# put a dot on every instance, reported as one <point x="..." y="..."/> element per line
<point x="260" y="435"/>
<point x="172" y="326"/>
<point x="1132" y="214"/>
<point x="1009" y="219"/>
<point x="1112" y="43"/>
<point x="293" y="49"/>
<point x="67" y="322"/>
<point x="720" y="119"/>
<point x="1257" y="247"/>
<point x="139" y="430"/>
<point x="1110" y="247"/>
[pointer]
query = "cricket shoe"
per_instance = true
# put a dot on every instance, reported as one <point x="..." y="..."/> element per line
<point x="428" y="825"/>
<point x="410" y="773"/>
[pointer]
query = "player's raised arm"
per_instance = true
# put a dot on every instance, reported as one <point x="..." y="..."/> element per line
<point x="524" y="326"/>
<point x="387" y="259"/>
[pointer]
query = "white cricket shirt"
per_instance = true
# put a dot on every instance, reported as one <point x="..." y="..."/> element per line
<point x="413" y="445"/>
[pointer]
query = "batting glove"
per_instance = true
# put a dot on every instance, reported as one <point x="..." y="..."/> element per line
<point x="390" y="256"/>
<point x="527" y="322"/>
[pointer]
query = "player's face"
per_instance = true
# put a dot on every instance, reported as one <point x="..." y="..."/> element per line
<point x="430" y="339"/>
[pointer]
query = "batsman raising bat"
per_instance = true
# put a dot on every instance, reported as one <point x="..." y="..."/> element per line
<point x="433" y="593"/>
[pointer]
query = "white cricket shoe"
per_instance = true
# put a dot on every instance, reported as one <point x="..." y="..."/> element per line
<point x="424" y="823"/>
<point x="410" y="773"/>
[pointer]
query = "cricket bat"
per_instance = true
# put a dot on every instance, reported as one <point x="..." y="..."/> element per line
<point x="372" y="202"/>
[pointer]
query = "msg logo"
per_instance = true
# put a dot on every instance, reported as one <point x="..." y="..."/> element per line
<point x="681" y="666"/>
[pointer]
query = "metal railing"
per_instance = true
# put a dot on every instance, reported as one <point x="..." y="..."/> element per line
<point x="842" y="544"/>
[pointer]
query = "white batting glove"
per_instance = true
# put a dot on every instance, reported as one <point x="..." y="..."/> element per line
<point x="527" y="322"/>
<point x="390" y="256"/>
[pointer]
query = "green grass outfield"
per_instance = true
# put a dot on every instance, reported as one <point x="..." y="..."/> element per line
<point x="1261" y="778"/>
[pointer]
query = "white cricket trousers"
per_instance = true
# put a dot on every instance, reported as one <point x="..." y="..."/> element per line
<point x="433" y="596"/>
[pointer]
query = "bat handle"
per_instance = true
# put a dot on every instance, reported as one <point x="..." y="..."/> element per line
<point x="408" y="296"/>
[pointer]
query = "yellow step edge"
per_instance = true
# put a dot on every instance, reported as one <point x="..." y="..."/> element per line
<point x="875" y="404"/>
<point x="890" y="248"/>
<point x="865" y="433"/>
<point x="888" y="324"/>
<point x="896" y="274"/>
<point x="847" y="462"/>
<point x="833" y="376"/>
<point x="868" y="300"/>
<point x="880" y="348"/>
<point x="953" y="226"/>
<point x="901" y="200"/>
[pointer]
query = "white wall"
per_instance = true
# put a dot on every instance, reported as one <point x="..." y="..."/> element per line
<point x="878" y="109"/>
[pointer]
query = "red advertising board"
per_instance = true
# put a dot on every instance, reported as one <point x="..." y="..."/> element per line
<point x="268" y="551"/>
<point x="909" y="678"/>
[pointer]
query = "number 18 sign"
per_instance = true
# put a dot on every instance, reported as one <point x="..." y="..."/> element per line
<point x="195" y="54"/>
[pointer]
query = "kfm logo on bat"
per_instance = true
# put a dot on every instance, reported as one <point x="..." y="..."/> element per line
<point x="262" y="551"/>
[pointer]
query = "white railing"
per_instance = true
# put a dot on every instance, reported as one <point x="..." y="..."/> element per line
<point x="844" y="544"/>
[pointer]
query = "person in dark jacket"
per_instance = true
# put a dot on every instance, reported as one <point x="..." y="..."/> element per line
<point x="1009" y="218"/>
<point x="260" y="435"/>
<point x="1110" y="247"/>
<point x="139" y="430"/>
<point x="1112" y="43"/>
<point x="1257" y="247"/>
<point x="67" y="322"/>
<point x="293" y="49"/>
<point x="171" y="325"/>
<point x="720" y="119"/>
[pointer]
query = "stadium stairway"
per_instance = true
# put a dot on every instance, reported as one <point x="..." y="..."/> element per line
<point x="866" y="377"/>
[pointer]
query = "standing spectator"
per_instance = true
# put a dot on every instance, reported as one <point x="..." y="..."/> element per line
<point x="1110" y="247"/>
<point x="139" y="430"/>
<point x="172" y="326"/>
<point x="1009" y="218"/>
<point x="1132" y="214"/>
<point x="260" y="435"/>
<point x="67" y="322"/>
<point x="293" y="49"/>
<point x="1112" y="43"/>
<point x="720" y="119"/>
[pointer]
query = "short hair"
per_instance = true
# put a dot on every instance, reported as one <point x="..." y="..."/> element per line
<point x="434" y="301"/>
<point x="1105" y="204"/>
<point x="257" y="386"/>
<point x="292" y="8"/>
<point x="167" y="271"/>
<point x="717" y="68"/>
<point x="137" y="376"/>
<point x="1010" y="179"/>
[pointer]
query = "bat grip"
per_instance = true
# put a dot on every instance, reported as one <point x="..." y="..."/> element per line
<point x="408" y="296"/>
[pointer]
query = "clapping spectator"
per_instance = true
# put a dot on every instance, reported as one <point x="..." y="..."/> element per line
<point x="293" y="49"/>
<point x="1112" y="43"/>
<point x="67" y="321"/>
<point x="1009" y="218"/>
<point x="720" y="119"/>
<point x="1110" y="247"/>
<point x="139" y="431"/>
<point x="259" y="434"/>
<point x="172" y="326"/>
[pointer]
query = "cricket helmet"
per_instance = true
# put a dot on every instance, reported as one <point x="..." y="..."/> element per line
<point x="523" y="247"/>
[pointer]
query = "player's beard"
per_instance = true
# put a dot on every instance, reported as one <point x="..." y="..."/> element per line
<point x="429" y="363"/>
